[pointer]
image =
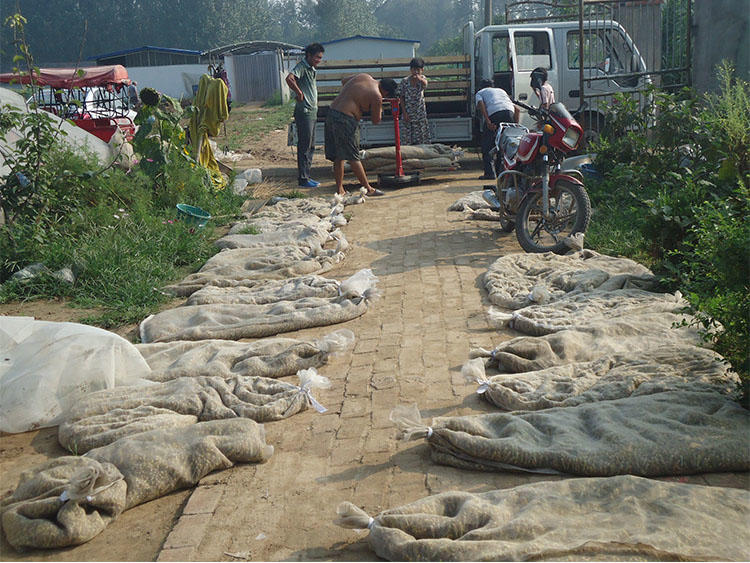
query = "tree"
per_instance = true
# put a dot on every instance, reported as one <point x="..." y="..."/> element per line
<point x="344" y="18"/>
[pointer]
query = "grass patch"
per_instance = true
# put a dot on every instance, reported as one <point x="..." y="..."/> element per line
<point x="247" y="123"/>
<point x="249" y="230"/>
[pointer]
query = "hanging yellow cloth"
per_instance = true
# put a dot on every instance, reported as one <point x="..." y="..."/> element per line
<point x="211" y="105"/>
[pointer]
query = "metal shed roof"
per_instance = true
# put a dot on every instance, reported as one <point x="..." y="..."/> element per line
<point x="248" y="47"/>
<point x="369" y="37"/>
<point x="145" y="48"/>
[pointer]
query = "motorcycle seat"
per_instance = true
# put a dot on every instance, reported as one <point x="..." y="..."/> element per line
<point x="510" y="137"/>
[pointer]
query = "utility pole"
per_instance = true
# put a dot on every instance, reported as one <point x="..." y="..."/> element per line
<point x="487" y="12"/>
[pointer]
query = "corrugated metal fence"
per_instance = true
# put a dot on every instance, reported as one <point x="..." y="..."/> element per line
<point x="260" y="75"/>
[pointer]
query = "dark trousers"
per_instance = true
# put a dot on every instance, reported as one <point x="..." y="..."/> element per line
<point x="305" y="142"/>
<point x="488" y="139"/>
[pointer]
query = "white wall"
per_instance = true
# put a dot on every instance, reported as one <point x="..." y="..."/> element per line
<point x="174" y="80"/>
<point x="361" y="48"/>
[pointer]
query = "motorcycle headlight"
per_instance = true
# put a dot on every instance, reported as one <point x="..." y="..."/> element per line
<point x="570" y="139"/>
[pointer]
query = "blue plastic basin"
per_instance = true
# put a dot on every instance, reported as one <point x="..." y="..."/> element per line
<point x="192" y="215"/>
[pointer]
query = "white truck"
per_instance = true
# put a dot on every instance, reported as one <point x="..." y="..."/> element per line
<point x="505" y="54"/>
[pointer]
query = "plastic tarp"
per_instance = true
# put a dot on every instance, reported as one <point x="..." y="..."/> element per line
<point x="75" y="137"/>
<point x="66" y="78"/>
<point x="48" y="366"/>
<point x="622" y="518"/>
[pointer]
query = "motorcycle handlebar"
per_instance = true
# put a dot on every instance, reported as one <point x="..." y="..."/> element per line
<point x="534" y="112"/>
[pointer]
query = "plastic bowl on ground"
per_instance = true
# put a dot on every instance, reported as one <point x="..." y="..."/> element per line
<point x="192" y="215"/>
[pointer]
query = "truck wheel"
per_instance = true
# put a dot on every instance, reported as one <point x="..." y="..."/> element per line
<point x="592" y="124"/>
<point x="570" y="213"/>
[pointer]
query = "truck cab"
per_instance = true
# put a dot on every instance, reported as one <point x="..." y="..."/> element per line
<point x="506" y="54"/>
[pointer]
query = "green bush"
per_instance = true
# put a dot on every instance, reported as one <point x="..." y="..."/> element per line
<point x="118" y="230"/>
<point x="676" y="199"/>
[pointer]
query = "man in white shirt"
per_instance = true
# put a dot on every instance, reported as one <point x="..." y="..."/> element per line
<point x="494" y="106"/>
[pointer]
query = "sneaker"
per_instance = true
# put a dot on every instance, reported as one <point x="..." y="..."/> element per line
<point x="309" y="184"/>
<point x="376" y="192"/>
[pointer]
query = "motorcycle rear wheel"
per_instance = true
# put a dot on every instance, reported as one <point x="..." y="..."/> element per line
<point x="570" y="213"/>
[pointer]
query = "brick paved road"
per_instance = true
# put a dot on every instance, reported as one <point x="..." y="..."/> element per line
<point x="410" y="347"/>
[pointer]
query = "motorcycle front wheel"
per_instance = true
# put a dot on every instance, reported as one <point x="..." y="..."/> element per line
<point x="569" y="213"/>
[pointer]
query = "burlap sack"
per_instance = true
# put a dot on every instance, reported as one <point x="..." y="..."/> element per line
<point x="630" y="336"/>
<point x="307" y="237"/>
<point x="669" y="433"/>
<point x="664" y="368"/>
<point x="232" y="322"/>
<point x="102" y="418"/>
<point x="121" y="475"/>
<point x="471" y="201"/>
<point x="267" y="291"/>
<point x="41" y="514"/>
<point x="584" y="309"/>
<point x="261" y="263"/>
<point x="519" y="280"/>
<point x="269" y="357"/>
<point x="622" y="518"/>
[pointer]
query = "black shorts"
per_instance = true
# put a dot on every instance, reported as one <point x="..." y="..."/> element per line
<point x="341" y="136"/>
<point x="502" y="116"/>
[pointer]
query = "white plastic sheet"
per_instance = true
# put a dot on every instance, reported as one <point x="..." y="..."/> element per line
<point x="45" y="366"/>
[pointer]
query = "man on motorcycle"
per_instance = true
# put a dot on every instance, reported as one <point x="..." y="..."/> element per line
<point x="494" y="106"/>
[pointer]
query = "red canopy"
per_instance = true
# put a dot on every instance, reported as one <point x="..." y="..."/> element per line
<point x="66" y="78"/>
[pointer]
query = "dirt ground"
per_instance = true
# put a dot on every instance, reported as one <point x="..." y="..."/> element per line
<point x="410" y="348"/>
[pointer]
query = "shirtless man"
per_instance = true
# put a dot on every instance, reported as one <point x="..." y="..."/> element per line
<point x="361" y="93"/>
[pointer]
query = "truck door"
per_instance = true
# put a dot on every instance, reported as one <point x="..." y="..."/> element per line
<point x="531" y="48"/>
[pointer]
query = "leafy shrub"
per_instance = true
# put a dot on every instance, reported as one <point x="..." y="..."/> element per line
<point x="677" y="198"/>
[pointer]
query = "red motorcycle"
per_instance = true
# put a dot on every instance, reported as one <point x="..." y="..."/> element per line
<point x="534" y="195"/>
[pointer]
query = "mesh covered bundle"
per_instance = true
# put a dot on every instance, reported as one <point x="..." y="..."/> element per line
<point x="583" y="309"/>
<point x="232" y="322"/>
<point x="665" y="368"/>
<point x="64" y="502"/>
<point x="388" y="165"/>
<point x="36" y="388"/>
<point x="630" y="336"/>
<point x="308" y="237"/>
<point x="269" y="357"/>
<point x="267" y="291"/>
<point x="470" y="202"/>
<point x="261" y="263"/>
<point x="669" y="433"/>
<point x="518" y="280"/>
<point x="635" y="519"/>
<point x="119" y="476"/>
<point x="106" y="416"/>
<point x="286" y="208"/>
<point x="421" y="152"/>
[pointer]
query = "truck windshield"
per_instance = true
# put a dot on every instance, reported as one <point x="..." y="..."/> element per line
<point x="604" y="49"/>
